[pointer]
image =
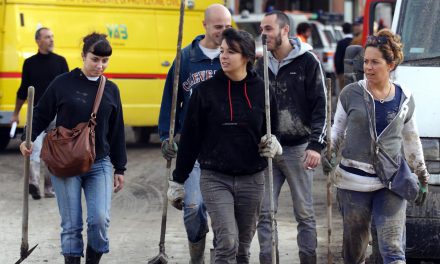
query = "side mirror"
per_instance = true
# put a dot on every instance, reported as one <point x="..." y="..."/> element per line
<point x="353" y="64"/>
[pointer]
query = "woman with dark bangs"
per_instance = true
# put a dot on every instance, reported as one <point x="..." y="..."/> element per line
<point x="225" y="131"/>
<point x="70" y="97"/>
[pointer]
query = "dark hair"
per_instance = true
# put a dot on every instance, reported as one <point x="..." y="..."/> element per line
<point x="346" y="28"/>
<point x="303" y="27"/>
<point x="241" y="42"/>
<point x="97" y="44"/>
<point x="37" y="33"/>
<point x="282" y="18"/>
<point x="389" y="45"/>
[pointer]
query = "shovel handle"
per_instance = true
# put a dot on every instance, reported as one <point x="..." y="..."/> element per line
<point x="24" y="224"/>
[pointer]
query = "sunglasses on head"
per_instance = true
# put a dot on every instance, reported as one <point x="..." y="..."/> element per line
<point x="374" y="41"/>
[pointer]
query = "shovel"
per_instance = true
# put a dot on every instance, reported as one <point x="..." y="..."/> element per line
<point x="269" y="160"/>
<point x="162" y="258"/>
<point x="328" y="82"/>
<point x="24" y="249"/>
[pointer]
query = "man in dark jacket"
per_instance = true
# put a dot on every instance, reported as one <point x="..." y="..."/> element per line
<point x="38" y="71"/>
<point x="340" y="53"/>
<point x="199" y="62"/>
<point x="296" y="78"/>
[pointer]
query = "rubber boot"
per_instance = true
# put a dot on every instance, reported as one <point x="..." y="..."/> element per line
<point x="305" y="259"/>
<point x="92" y="257"/>
<point x="72" y="260"/>
<point x="197" y="251"/>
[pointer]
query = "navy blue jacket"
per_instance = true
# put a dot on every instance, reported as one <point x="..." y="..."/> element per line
<point x="340" y="54"/>
<point x="195" y="67"/>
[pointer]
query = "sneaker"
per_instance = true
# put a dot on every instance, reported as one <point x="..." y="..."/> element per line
<point x="34" y="191"/>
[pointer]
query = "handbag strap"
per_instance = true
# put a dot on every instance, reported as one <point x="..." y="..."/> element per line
<point x="370" y="121"/>
<point x="98" y="97"/>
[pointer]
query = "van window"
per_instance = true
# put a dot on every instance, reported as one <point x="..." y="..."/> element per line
<point x="316" y="39"/>
<point x="420" y="49"/>
<point x="329" y="36"/>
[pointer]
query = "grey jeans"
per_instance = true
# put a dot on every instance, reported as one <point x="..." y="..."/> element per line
<point x="233" y="203"/>
<point x="289" y="167"/>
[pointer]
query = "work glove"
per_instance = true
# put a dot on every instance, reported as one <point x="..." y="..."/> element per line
<point x="328" y="165"/>
<point x="423" y="187"/>
<point x="269" y="147"/>
<point x="421" y="196"/>
<point x="169" y="151"/>
<point x="175" y="194"/>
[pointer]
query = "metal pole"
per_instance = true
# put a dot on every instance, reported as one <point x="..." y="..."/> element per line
<point x="269" y="160"/>
<point x="329" y="184"/>
<point x="162" y="257"/>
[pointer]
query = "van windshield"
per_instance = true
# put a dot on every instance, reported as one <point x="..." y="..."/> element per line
<point x="251" y="27"/>
<point x="419" y="27"/>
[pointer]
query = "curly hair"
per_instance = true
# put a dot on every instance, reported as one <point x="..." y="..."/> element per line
<point x="389" y="45"/>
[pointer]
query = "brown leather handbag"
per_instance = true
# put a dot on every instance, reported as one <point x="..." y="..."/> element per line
<point x="71" y="152"/>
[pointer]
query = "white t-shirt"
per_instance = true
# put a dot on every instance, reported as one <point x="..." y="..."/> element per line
<point x="210" y="53"/>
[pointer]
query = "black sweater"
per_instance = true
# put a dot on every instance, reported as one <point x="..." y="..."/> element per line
<point x="38" y="71"/>
<point x="223" y="126"/>
<point x="70" y="97"/>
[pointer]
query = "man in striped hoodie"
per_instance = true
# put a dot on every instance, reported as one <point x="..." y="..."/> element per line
<point x="297" y="80"/>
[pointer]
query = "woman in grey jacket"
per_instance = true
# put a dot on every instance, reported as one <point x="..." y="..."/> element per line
<point x="361" y="195"/>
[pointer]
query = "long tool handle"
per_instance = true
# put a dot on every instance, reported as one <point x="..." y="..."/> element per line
<point x="172" y="123"/>
<point x="328" y="82"/>
<point x="269" y="160"/>
<point x="25" y="217"/>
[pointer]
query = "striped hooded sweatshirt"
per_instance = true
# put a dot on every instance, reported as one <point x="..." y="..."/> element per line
<point x="298" y="84"/>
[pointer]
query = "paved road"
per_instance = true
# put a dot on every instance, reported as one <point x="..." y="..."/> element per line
<point x="136" y="214"/>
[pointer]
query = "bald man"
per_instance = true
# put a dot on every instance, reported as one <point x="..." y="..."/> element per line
<point x="199" y="62"/>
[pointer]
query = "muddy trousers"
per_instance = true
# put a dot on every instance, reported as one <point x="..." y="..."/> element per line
<point x="289" y="167"/>
<point x="195" y="217"/>
<point x="233" y="203"/>
<point x="34" y="175"/>
<point x="97" y="185"/>
<point x="387" y="210"/>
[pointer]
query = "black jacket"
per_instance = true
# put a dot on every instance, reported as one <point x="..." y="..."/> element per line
<point x="70" y="97"/>
<point x="301" y="97"/>
<point x="223" y="125"/>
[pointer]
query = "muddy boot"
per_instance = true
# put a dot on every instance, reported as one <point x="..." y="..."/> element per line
<point x="305" y="259"/>
<point x="92" y="257"/>
<point x="197" y="251"/>
<point x="72" y="260"/>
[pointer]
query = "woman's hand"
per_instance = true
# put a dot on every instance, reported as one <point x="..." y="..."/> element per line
<point x="311" y="159"/>
<point x="25" y="151"/>
<point x="118" y="182"/>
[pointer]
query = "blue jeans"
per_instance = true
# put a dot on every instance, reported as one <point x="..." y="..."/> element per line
<point x="98" y="186"/>
<point x="289" y="167"/>
<point x="195" y="217"/>
<point x="233" y="203"/>
<point x="387" y="210"/>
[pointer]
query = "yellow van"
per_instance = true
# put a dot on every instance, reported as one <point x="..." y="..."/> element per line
<point x="143" y="34"/>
